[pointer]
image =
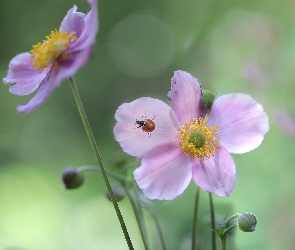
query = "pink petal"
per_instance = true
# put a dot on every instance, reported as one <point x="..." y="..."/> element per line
<point x="25" y="79"/>
<point x="165" y="176"/>
<point x="45" y="90"/>
<point x="73" y="21"/>
<point x="241" y="121"/>
<point x="70" y="66"/>
<point x="89" y="32"/>
<point x="217" y="174"/>
<point x="133" y="139"/>
<point x="186" y="96"/>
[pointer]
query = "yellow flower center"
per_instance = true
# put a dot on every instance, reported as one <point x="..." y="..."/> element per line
<point x="198" y="140"/>
<point x="50" y="50"/>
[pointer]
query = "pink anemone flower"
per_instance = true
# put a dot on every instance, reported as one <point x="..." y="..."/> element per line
<point x="60" y="56"/>
<point x="185" y="142"/>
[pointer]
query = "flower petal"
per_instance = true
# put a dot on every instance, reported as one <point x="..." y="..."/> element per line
<point x="165" y="176"/>
<point x="47" y="86"/>
<point x="186" y="96"/>
<point x="73" y="21"/>
<point x="241" y="121"/>
<point x="217" y="174"/>
<point x="133" y="139"/>
<point x="70" y="66"/>
<point x="89" y="32"/>
<point x="25" y="79"/>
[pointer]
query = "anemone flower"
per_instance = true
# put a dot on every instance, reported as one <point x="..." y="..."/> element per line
<point x="58" y="57"/>
<point x="187" y="141"/>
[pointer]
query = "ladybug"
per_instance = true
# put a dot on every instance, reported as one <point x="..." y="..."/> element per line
<point x="147" y="125"/>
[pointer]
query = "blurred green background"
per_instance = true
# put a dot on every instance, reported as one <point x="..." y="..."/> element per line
<point x="230" y="46"/>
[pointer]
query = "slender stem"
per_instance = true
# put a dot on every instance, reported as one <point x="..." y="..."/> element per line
<point x="137" y="208"/>
<point x="162" y="241"/>
<point x="96" y="169"/>
<point x="195" y="216"/>
<point x="213" y="234"/>
<point x="223" y="244"/>
<point x="99" y="160"/>
<point x="228" y="230"/>
<point x="233" y="217"/>
<point x="138" y="217"/>
<point x="140" y="211"/>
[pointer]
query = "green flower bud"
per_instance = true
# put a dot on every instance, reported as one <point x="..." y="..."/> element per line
<point x="118" y="191"/>
<point x="247" y="222"/>
<point x="120" y="160"/>
<point x="208" y="99"/>
<point x="72" y="178"/>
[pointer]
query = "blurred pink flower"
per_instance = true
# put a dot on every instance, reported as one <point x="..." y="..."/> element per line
<point x="285" y="121"/>
<point x="184" y="142"/>
<point x="59" y="57"/>
<point x="253" y="73"/>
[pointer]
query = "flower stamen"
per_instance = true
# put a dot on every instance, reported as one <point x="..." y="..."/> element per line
<point x="53" y="48"/>
<point x="198" y="140"/>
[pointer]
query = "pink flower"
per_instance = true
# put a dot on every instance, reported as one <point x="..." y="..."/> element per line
<point x="185" y="142"/>
<point x="285" y="120"/>
<point x="60" y="56"/>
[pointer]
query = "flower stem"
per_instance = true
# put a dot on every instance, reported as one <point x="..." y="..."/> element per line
<point x="99" y="160"/>
<point x="195" y="216"/>
<point x="223" y="244"/>
<point x="141" y="216"/>
<point x="159" y="230"/>
<point x="138" y="215"/>
<point x="228" y="230"/>
<point x="96" y="169"/>
<point x="233" y="217"/>
<point x="212" y="222"/>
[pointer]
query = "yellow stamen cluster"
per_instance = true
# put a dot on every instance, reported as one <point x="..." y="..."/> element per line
<point x="50" y="50"/>
<point x="195" y="129"/>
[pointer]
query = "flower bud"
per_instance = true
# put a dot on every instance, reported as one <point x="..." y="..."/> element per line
<point x="119" y="160"/>
<point x="207" y="99"/>
<point x="247" y="222"/>
<point x="118" y="191"/>
<point x="72" y="178"/>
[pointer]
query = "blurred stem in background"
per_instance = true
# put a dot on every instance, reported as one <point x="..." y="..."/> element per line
<point x="99" y="160"/>
<point x="195" y="216"/>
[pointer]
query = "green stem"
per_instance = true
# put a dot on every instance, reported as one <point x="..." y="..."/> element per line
<point x="140" y="210"/>
<point x="138" y="215"/>
<point x="137" y="209"/>
<point x="223" y="244"/>
<point x="233" y="217"/>
<point x="99" y="160"/>
<point x="195" y="216"/>
<point x="96" y="169"/>
<point x="159" y="230"/>
<point x="212" y="215"/>
<point x="227" y="231"/>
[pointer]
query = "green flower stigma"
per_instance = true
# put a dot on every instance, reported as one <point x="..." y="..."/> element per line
<point x="197" y="139"/>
